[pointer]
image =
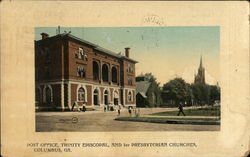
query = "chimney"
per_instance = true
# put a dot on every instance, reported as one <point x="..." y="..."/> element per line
<point x="127" y="52"/>
<point x="44" y="35"/>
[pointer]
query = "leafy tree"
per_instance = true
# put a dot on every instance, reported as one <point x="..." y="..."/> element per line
<point x="177" y="90"/>
<point x="151" y="78"/>
<point x="205" y="94"/>
<point x="214" y="93"/>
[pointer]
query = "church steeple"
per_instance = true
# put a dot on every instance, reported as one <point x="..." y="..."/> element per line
<point x="201" y="66"/>
<point x="200" y="77"/>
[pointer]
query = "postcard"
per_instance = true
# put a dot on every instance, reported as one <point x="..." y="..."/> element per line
<point x="124" y="78"/>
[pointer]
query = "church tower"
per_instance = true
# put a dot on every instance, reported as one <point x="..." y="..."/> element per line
<point x="200" y="77"/>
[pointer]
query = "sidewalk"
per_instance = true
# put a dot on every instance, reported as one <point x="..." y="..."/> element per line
<point x="180" y="117"/>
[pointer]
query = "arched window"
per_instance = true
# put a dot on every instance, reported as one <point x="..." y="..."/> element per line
<point x="48" y="95"/>
<point x="81" y="94"/>
<point x="116" y="97"/>
<point x="106" y="97"/>
<point x="96" y="97"/>
<point x="105" y="73"/>
<point x="129" y="96"/>
<point x="114" y="74"/>
<point x="95" y="70"/>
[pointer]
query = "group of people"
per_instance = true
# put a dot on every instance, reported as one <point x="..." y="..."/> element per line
<point x="119" y="107"/>
<point x="80" y="107"/>
<point x="111" y="108"/>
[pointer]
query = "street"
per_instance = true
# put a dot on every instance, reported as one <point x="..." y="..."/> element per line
<point x="100" y="121"/>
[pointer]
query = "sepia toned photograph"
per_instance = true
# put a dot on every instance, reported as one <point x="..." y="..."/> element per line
<point x="118" y="78"/>
<point x="99" y="79"/>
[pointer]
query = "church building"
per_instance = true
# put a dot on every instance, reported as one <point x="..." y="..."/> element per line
<point x="70" y="69"/>
<point x="200" y="77"/>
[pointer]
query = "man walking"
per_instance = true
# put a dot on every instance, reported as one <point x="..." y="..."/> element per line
<point x="181" y="109"/>
<point x="119" y="109"/>
<point x="77" y="105"/>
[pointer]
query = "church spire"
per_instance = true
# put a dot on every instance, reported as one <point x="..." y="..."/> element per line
<point x="201" y="62"/>
<point x="200" y="77"/>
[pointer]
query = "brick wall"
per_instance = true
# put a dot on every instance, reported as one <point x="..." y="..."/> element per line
<point x="89" y="92"/>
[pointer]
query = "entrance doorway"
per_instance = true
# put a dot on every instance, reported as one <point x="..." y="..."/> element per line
<point x="96" y="97"/>
<point x="116" y="101"/>
<point x="106" y="97"/>
<point x="116" y="98"/>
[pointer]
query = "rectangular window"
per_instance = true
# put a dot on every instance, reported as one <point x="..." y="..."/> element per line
<point x="81" y="71"/>
<point x="130" y="82"/>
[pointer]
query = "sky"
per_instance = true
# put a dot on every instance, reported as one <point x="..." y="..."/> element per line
<point x="167" y="52"/>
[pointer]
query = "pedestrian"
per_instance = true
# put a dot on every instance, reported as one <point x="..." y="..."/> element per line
<point x="119" y="110"/>
<point x="105" y="108"/>
<point x="137" y="112"/>
<point x="130" y="110"/>
<point x="84" y="106"/>
<point x="74" y="104"/>
<point x="181" y="109"/>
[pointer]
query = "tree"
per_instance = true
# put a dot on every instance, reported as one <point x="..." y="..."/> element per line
<point x="177" y="90"/>
<point x="205" y="94"/>
<point x="214" y="93"/>
<point x="151" y="78"/>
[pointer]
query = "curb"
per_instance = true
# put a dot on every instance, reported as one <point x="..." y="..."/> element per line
<point x="171" y="121"/>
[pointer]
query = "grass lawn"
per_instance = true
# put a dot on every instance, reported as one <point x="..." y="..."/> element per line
<point x="208" y="111"/>
<point x="159" y="118"/>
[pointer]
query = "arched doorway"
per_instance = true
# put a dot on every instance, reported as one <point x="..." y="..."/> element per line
<point x="96" y="97"/>
<point x="106" y="97"/>
<point x="116" y="98"/>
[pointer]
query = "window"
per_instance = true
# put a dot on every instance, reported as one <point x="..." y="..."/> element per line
<point x="81" y="72"/>
<point x="105" y="73"/>
<point x="106" y="97"/>
<point x="130" y="68"/>
<point x="130" y="82"/>
<point x="80" y="55"/>
<point x="129" y="96"/>
<point x="81" y="94"/>
<point x="114" y="75"/>
<point x="96" y="97"/>
<point x="95" y="71"/>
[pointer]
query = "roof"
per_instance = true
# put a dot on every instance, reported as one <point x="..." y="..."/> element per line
<point x="95" y="46"/>
<point x="142" y="87"/>
<point x="143" y="94"/>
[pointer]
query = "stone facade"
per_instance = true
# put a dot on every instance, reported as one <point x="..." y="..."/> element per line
<point x="70" y="69"/>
